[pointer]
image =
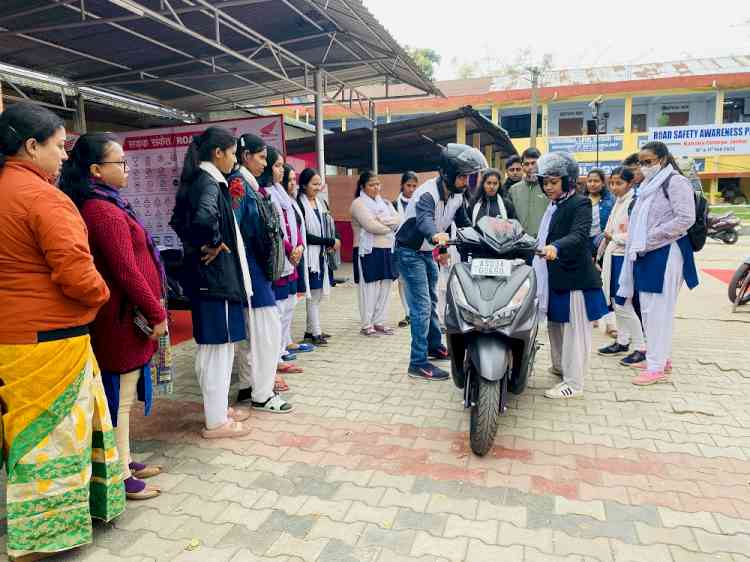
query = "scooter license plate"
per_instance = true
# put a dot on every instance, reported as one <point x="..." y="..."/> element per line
<point x="481" y="267"/>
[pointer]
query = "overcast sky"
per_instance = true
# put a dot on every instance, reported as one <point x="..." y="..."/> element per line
<point x="577" y="32"/>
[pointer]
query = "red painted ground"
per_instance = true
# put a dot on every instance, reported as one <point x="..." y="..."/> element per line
<point x="724" y="275"/>
<point x="180" y="326"/>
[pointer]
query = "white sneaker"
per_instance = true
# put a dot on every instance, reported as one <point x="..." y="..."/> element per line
<point x="563" y="390"/>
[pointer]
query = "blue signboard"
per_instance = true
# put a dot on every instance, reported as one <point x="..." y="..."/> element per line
<point x="607" y="143"/>
<point x="608" y="165"/>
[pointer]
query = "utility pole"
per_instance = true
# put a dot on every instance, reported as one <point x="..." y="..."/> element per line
<point x="535" y="74"/>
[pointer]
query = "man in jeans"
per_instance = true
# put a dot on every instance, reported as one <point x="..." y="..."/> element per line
<point x="431" y="210"/>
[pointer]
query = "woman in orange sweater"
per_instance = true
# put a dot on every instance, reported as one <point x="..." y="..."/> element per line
<point x="57" y="429"/>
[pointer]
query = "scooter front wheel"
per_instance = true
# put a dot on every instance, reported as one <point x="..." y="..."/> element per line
<point x="730" y="237"/>
<point x="485" y="413"/>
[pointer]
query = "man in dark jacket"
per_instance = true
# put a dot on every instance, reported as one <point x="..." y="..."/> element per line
<point x="514" y="171"/>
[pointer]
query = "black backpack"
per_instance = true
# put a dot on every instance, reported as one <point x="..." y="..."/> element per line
<point x="697" y="233"/>
<point x="271" y="238"/>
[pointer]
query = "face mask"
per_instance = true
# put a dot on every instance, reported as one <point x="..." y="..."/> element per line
<point x="650" y="171"/>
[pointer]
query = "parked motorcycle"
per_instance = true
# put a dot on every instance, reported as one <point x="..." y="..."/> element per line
<point x="725" y="228"/>
<point x="491" y="321"/>
<point x="739" y="286"/>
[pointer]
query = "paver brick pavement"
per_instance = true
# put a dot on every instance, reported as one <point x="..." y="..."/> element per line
<point x="373" y="466"/>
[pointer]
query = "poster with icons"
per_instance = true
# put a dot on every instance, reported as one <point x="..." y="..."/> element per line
<point x="155" y="157"/>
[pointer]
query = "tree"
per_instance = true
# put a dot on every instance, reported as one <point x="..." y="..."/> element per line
<point x="425" y="59"/>
<point x="490" y="64"/>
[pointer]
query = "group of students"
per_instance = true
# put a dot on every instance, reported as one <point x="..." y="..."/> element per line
<point x="84" y="283"/>
<point x="616" y="248"/>
<point x="256" y="239"/>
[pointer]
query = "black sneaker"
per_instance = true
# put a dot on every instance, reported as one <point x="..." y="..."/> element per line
<point x="428" y="373"/>
<point x="319" y="341"/>
<point x="439" y="353"/>
<point x="244" y="394"/>
<point x="405" y="322"/>
<point x="633" y="359"/>
<point x="614" y="350"/>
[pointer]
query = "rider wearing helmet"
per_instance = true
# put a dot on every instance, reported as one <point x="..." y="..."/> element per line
<point x="569" y="287"/>
<point x="432" y="209"/>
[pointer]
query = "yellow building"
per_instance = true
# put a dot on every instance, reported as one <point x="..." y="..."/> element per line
<point x="635" y="101"/>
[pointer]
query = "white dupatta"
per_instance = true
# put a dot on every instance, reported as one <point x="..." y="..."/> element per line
<point x="377" y="207"/>
<point x="314" y="225"/>
<point x="618" y="217"/>
<point x="638" y="229"/>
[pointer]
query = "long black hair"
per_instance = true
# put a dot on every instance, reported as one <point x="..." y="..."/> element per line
<point x="249" y="143"/>
<point x="266" y="178"/>
<point x="89" y="149"/>
<point x="480" y="195"/>
<point x="288" y="169"/>
<point x="602" y="176"/>
<point x="304" y="178"/>
<point x="23" y="121"/>
<point x="200" y="150"/>
<point x="662" y="151"/>
<point x="364" y="177"/>
<point x="407" y="176"/>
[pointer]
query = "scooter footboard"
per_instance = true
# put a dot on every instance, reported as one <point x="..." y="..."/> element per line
<point x="490" y="356"/>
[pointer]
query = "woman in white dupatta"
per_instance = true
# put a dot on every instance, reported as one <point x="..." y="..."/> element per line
<point x="320" y="241"/>
<point x="374" y="222"/>
<point x="612" y="253"/>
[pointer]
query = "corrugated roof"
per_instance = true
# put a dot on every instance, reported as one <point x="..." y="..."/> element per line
<point x="217" y="54"/>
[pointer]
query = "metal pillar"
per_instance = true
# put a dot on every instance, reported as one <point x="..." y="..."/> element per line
<point x="80" y="116"/>
<point x="319" y="143"/>
<point x="374" y="119"/>
<point x="535" y="73"/>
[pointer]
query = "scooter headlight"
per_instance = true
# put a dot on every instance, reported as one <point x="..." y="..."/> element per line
<point x="502" y="317"/>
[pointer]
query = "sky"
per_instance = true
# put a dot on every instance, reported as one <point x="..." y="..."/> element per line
<point x="578" y="33"/>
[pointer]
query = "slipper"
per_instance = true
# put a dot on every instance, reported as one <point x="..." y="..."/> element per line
<point x="563" y="391"/>
<point x="229" y="429"/>
<point x="280" y="385"/>
<point x="138" y="490"/>
<point x="287" y="368"/>
<point x="369" y="332"/>
<point x="142" y="471"/>
<point x="384" y="330"/>
<point x="300" y="348"/>
<point x="238" y="414"/>
<point x="276" y="405"/>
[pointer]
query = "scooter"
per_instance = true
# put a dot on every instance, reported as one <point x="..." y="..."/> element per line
<point x="491" y="321"/>
<point x="725" y="228"/>
<point x="739" y="286"/>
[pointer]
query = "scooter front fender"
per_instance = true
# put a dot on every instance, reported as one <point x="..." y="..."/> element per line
<point x="489" y="354"/>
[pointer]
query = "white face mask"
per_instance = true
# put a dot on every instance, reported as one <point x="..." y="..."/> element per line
<point x="650" y="171"/>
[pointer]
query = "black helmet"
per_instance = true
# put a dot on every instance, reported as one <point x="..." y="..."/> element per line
<point x="560" y="165"/>
<point x="460" y="160"/>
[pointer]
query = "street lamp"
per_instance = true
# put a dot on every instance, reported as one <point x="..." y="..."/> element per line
<point x="594" y="105"/>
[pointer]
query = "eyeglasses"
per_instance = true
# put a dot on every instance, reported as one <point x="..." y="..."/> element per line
<point x="124" y="164"/>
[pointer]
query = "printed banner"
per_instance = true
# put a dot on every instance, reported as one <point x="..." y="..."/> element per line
<point x="607" y="143"/>
<point x="608" y="165"/>
<point x="704" y="140"/>
<point x="155" y="159"/>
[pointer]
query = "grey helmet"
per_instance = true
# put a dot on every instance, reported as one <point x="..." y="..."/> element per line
<point x="560" y="165"/>
<point x="460" y="160"/>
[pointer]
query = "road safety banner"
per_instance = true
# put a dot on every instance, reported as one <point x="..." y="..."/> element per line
<point x="155" y="158"/>
<point x="704" y="140"/>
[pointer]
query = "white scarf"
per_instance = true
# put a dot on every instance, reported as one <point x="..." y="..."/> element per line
<point x="214" y="172"/>
<point x="285" y="207"/>
<point x="540" y="264"/>
<point x="638" y="229"/>
<point x="617" y="217"/>
<point x="249" y="178"/>
<point x="401" y="204"/>
<point x="478" y="207"/>
<point x="314" y="226"/>
<point x="377" y="207"/>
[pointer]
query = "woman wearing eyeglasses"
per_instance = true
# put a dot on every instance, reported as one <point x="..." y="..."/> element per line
<point x="128" y="260"/>
<point x="658" y="255"/>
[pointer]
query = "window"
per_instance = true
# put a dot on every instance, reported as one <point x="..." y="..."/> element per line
<point x="570" y="127"/>
<point x="678" y="119"/>
<point x="639" y="123"/>
<point x="518" y="126"/>
<point x="736" y="110"/>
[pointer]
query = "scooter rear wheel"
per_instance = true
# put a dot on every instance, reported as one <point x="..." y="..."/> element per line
<point x="485" y="413"/>
<point x="730" y="237"/>
<point x="739" y="286"/>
